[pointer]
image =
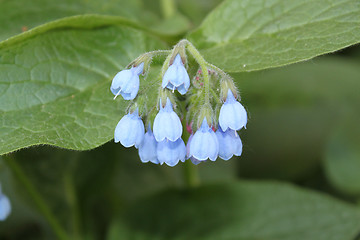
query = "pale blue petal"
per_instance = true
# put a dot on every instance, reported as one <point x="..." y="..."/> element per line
<point x="237" y="146"/>
<point x="177" y="60"/>
<point x="232" y="114"/>
<point x="147" y="149"/>
<point x="5" y="207"/>
<point x="186" y="78"/>
<point x="225" y="145"/>
<point x="181" y="89"/>
<point x="138" y="69"/>
<point x="171" y="152"/>
<point x="230" y="97"/>
<point x="159" y="126"/>
<point x="195" y="161"/>
<point x="188" y="146"/>
<point x="119" y="79"/>
<point x="204" y="143"/>
<point x="167" y="124"/>
<point x="176" y="77"/>
<point x="182" y="151"/>
<point x="224" y="116"/>
<point x="130" y="130"/>
<point x="213" y="146"/>
<point x="138" y="132"/>
<point x="169" y="75"/>
<point x="229" y="143"/>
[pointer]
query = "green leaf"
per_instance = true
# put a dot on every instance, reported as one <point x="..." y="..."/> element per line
<point x="342" y="157"/>
<point x="54" y="81"/>
<point x="251" y="35"/>
<point x="197" y="10"/>
<point x="243" y="210"/>
<point x="22" y="15"/>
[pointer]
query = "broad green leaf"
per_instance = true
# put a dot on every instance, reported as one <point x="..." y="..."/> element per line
<point x="249" y="35"/>
<point x="342" y="157"/>
<point x="22" y="15"/>
<point x="197" y="10"/>
<point x="54" y="81"/>
<point x="243" y="210"/>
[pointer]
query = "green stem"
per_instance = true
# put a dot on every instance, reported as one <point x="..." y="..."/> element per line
<point x="218" y="70"/>
<point x="168" y="8"/>
<point x="217" y="99"/>
<point x="70" y="194"/>
<point x="203" y="65"/>
<point x="191" y="174"/>
<point x="38" y="200"/>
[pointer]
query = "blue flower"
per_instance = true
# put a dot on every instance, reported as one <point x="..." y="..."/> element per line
<point x="176" y="77"/>
<point x="229" y="143"/>
<point x="147" y="149"/>
<point x="204" y="144"/>
<point x="130" y="130"/>
<point x="171" y="152"/>
<point x="5" y="207"/>
<point x="192" y="159"/>
<point x="232" y="114"/>
<point x="126" y="82"/>
<point x="167" y="124"/>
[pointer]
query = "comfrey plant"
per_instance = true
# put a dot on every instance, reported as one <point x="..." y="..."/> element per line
<point x="210" y="133"/>
<point x="5" y="206"/>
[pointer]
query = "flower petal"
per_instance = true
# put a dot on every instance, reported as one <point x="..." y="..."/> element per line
<point x="5" y="207"/>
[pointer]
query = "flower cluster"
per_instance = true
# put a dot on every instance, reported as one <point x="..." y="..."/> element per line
<point x="210" y="133"/>
<point x="5" y="206"/>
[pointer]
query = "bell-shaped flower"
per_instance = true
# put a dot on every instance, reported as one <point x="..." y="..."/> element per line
<point x="232" y="114"/>
<point x="192" y="159"/>
<point x="126" y="82"/>
<point x="204" y="144"/>
<point x="171" y="153"/>
<point x="176" y="77"/>
<point x="167" y="124"/>
<point x="147" y="149"/>
<point x="5" y="206"/>
<point x="130" y="130"/>
<point x="229" y="143"/>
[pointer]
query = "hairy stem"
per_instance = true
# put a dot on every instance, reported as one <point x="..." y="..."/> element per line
<point x="203" y="66"/>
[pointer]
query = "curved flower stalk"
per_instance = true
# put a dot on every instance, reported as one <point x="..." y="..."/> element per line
<point x="176" y="77"/>
<point x="130" y="130"/>
<point x="126" y="82"/>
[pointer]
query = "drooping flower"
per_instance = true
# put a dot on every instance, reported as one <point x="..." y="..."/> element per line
<point x="232" y="114"/>
<point x="176" y="76"/>
<point x="167" y="124"/>
<point x="229" y="143"/>
<point x="204" y="144"/>
<point x="5" y="206"/>
<point x="170" y="152"/>
<point x="147" y="149"/>
<point x="130" y="130"/>
<point x="192" y="159"/>
<point x="126" y="82"/>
